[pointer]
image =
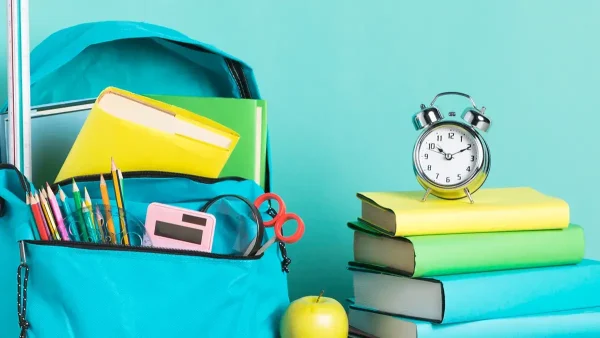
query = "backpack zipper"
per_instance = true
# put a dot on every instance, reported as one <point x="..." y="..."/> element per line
<point x="238" y="75"/>
<point x="146" y="174"/>
<point x="156" y="250"/>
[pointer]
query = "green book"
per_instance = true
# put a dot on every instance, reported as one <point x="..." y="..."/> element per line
<point x="247" y="117"/>
<point x="437" y="255"/>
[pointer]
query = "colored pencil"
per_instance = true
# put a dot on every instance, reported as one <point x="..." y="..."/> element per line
<point x="64" y="204"/>
<point x="39" y="221"/>
<point x="120" y="204"/>
<point x="34" y="223"/>
<point x="109" y="220"/>
<point x="38" y="206"/>
<point x="79" y="216"/>
<point x="122" y="191"/>
<point x="88" y="204"/>
<point x="60" y="225"/>
<point x="87" y="217"/>
<point x="48" y="215"/>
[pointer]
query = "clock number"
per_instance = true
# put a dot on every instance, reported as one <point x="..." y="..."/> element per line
<point x="431" y="146"/>
<point x="459" y="177"/>
<point x="451" y="136"/>
<point x="427" y="156"/>
<point x="436" y="176"/>
<point x="469" y="168"/>
<point x="469" y="146"/>
<point x="472" y="158"/>
<point x="429" y="167"/>
<point x="461" y="138"/>
<point x="439" y="137"/>
<point x="447" y="179"/>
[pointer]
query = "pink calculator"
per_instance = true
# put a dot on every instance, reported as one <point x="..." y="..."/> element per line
<point x="179" y="228"/>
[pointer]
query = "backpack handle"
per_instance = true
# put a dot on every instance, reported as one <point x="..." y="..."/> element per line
<point x="257" y="242"/>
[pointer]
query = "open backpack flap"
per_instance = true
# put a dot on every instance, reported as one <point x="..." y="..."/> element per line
<point x="79" y="62"/>
<point x="88" y="290"/>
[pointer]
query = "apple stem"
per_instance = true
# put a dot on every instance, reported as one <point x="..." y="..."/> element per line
<point x="318" y="298"/>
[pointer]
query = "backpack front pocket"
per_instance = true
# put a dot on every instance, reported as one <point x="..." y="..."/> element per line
<point x="86" y="290"/>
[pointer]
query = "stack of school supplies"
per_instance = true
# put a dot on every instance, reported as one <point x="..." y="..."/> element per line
<point x="78" y="218"/>
<point x="511" y="264"/>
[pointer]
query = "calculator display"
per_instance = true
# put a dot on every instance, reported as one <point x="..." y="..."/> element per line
<point x="178" y="232"/>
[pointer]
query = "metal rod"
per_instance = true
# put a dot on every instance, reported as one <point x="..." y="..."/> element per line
<point x="426" y="195"/>
<point x="469" y="195"/>
<point x="19" y="102"/>
<point x="454" y="93"/>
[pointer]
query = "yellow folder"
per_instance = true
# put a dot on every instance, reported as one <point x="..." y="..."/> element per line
<point x="140" y="133"/>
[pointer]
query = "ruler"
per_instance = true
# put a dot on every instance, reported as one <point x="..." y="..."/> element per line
<point x="19" y="101"/>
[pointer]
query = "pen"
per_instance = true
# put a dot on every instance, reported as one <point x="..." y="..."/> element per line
<point x="60" y="225"/>
<point x="64" y="204"/>
<point x="82" y="226"/>
<point x="120" y="204"/>
<point x="109" y="220"/>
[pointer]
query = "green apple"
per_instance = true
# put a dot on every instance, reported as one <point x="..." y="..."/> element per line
<point x="314" y="317"/>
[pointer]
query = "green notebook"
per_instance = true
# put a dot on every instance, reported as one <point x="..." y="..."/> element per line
<point x="247" y="117"/>
<point x="436" y="255"/>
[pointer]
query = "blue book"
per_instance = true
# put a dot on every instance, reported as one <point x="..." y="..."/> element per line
<point x="479" y="296"/>
<point x="583" y="323"/>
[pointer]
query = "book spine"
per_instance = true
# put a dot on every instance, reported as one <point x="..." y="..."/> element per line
<point x="580" y="324"/>
<point x="550" y="215"/>
<point x="466" y="253"/>
<point x="522" y="292"/>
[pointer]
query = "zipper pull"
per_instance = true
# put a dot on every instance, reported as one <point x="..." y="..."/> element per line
<point x="22" y="279"/>
<point x="22" y="252"/>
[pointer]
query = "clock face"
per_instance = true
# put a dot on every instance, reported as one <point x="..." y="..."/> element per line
<point x="449" y="155"/>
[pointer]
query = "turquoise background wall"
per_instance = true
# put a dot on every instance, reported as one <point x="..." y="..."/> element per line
<point x="343" y="77"/>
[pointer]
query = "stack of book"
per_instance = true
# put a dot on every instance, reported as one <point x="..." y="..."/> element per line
<point x="509" y="265"/>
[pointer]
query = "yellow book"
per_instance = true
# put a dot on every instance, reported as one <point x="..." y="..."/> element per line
<point x="495" y="209"/>
<point x="141" y="134"/>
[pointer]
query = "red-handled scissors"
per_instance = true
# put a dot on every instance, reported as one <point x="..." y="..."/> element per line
<point x="278" y="221"/>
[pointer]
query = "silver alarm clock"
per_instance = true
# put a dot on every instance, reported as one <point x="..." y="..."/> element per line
<point x="451" y="158"/>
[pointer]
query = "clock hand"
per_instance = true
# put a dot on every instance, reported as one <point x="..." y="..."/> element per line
<point x="460" y="151"/>
<point x="437" y="151"/>
<point x="447" y="156"/>
<point x="441" y="150"/>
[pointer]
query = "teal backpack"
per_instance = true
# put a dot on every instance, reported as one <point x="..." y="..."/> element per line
<point x="86" y="290"/>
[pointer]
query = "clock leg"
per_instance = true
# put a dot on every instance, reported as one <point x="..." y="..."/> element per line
<point x="426" y="195"/>
<point x="469" y="195"/>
